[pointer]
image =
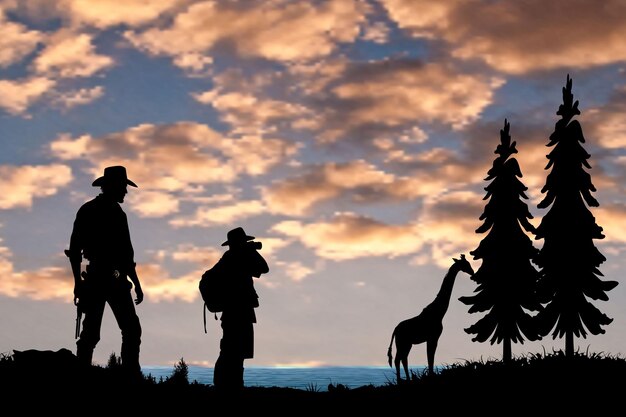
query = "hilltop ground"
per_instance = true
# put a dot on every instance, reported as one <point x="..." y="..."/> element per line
<point x="532" y="384"/>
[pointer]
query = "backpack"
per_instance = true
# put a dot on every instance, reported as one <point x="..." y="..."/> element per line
<point x="214" y="291"/>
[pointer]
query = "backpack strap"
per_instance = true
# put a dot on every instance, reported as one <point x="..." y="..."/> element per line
<point x="204" y="309"/>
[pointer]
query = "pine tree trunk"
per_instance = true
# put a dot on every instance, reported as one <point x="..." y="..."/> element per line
<point x="569" y="344"/>
<point x="506" y="350"/>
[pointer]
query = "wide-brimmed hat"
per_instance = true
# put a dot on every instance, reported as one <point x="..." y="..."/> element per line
<point x="113" y="175"/>
<point x="237" y="235"/>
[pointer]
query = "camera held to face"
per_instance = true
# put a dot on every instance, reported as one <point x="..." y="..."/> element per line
<point x="255" y="245"/>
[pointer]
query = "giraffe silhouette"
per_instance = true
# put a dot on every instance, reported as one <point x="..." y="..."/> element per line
<point x="428" y="325"/>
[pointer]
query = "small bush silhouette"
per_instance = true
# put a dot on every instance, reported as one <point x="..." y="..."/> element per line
<point x="114" y="362"/>
<point x="180" y="374"/>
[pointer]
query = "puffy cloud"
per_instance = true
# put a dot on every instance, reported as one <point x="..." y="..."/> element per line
<point x="607" y="123"/>
<point x="55" y="283"/>
<point x="41" y="284"/>
<point x="511" y="36"/>
<point x="70" y="55"/>
<point x="175" y="157"/>
<point x="153" y="203"/>
<point x="21" y="184"/>
<point x="98" y="13"/>
<point x="377" y="32"/>
<point x="612" y="218"/>
<point x="106" y="13"/>
<point x="438" y="171"/>
<point x="16" y="41"/>
<point x="399" y="92"/>
<point x="208" y="216"/>
<point x="350" y="236"/>
<point x="196" y="65"/>
<point x="612" y="130"/>
<point x="444" y="229"/>
<point x="295" y="196"/>
<point x="17" y="95"/>
<point x="246" y="112"/>
<point x="159" y="285"/>
<point x="283" y="31"/>
<point x="448" y="223"/>
<point x="202" y="256"/>
<point x="272" y="245"/>
<point x="296" y="271"/>
<point x="79" y="97"/>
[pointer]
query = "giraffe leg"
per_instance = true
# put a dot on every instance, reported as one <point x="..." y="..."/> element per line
<point x="431" y="347"/>
<point x="405" y="364"/>
<point x="402" y="355"/>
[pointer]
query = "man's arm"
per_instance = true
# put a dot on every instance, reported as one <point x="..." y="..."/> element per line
<point x="260" y="265"/>
<point x="132" y="274"/>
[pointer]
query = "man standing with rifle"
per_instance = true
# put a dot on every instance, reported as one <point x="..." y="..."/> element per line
<point x="102" y="237"/>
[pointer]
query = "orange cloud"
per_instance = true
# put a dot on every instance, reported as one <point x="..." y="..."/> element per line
<point x="350" y="236"/>
<point x="175" y="158"/>
<point x="295" y="196"/>
<point x="248" y="113"/>
<point x="42" y="284"/>
<point x="69" y="55"/>
<point x="612" y="218"/>
<point x="79" y="97"/>
<point x="101" y="14"/>
<point x="438" y="172"/>
<point x="202" y="256"/>
<point x="282" y="31"/>
<point x="229" y="214"/>
<point x="20" y="185"/>
<point x="16" y="41"/>
<point x="519" y="37"/>
<point x="56" y="283"/>
<point x="377" y="32"/>
<point x="444" y="229"/>
<point x="296" y="271"/>
<point x="398" y="93"/>
<point x="448" y="223"/>
<point x="17" y="95"/>
<point x="153" y="203"/>
<point x="159" y="286"/>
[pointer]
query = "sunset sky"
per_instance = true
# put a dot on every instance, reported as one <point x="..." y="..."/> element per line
<point x="351" y="137"/>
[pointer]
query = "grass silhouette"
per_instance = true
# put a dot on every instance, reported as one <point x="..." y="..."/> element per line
<point x="538" y="383"/>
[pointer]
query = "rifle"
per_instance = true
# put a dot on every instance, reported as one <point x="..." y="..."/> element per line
<point x="79" y="310"/>
<point x="79" y="317"/>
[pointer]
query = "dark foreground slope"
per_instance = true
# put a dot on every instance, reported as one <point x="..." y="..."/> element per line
<point x="534" y="384"/>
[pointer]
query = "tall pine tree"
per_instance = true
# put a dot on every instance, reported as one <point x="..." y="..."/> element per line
<point x="506" y="278"/>
<point x="569" y="260"/>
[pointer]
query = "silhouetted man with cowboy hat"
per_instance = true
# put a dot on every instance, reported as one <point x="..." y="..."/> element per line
<point x="101" y="236"/>
<point x="239" y="264"/>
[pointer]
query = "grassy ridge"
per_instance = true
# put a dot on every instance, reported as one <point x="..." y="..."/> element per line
<point x="535" y="384"/>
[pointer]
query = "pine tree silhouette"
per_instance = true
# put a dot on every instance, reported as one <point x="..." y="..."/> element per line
<point x="569" y="260"/>
<point x="506" y="278"/>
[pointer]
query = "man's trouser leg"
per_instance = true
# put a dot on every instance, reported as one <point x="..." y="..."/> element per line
<point x="93" y="309"/>
<point x="123" y="308"/>
<point x="228" y="371"/>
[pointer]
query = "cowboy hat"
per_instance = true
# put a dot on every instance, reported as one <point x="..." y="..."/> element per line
<point x="114" y="174"/>
<point x="237" y="235"/>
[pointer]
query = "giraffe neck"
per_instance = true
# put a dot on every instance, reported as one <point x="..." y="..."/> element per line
<point x="443" y="296"/>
